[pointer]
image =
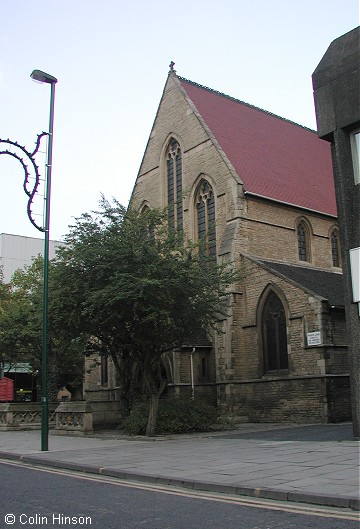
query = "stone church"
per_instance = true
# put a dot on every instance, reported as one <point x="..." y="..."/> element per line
<point x="260" y="189"/>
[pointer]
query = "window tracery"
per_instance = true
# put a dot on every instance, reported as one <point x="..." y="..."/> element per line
<point x="174" y="184"/>
<point x="335" y="248"/>
<point x="274" y="336"/>
<point x="205" y="213"/>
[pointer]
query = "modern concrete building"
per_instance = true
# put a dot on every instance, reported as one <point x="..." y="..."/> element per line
<point x="17" y="251"/>
<point x="336" y="83"/>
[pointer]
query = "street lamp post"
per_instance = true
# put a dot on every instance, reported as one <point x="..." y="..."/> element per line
<point x="42" y="77"/>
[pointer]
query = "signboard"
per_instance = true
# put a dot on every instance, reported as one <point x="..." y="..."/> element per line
<point x="355" y="273"/>
<point x="6" y="389"/>
<point x="22" y="367"/>
<point x="355" y="150"/>
<point x="314" y="338"/>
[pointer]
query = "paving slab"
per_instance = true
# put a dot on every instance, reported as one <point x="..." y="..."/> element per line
<point x="266" y="465"/>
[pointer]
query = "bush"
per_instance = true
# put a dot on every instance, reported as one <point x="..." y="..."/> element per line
<point x="174" y="416"/>
<point x="135" y="423"/>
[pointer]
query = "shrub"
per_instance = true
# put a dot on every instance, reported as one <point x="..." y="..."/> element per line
<point x="174" y="416"/>
<point x="135" y="423"/>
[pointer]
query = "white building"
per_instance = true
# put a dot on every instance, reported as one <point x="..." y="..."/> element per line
<point x="17" y="251"/>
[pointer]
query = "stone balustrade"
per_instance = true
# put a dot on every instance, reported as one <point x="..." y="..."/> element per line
<point x="74" y="417"/>
<point x="68" y="416"/>
<point x="24" y="415"/>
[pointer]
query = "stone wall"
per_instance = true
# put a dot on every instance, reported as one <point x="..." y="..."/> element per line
<point x="270" y="231"/>
<point x="288" y="399"/>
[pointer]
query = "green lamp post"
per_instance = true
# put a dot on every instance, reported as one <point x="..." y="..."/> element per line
<point x="42" y="77"/>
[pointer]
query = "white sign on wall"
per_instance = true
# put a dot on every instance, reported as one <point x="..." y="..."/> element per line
<point x="355" y="273"/>
<point x="314" y="338"/>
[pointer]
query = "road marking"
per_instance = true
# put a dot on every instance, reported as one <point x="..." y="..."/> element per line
<point x="245" y="501"/>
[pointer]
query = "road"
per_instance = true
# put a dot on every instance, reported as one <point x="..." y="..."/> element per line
<point x="310" y="433"/>
<point x="47" y="498"/>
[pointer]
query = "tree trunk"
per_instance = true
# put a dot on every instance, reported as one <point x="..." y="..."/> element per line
<point x="124" y="366"/>
<point x="151" y="423"/>
<point x="154" y="386"/>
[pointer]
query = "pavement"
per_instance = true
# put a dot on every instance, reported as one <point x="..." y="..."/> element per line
<point x="317" y="464"/>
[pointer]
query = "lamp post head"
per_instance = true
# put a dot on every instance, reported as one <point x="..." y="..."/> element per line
<point x="42" y="77"/>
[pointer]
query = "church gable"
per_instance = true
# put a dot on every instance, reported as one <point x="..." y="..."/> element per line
<point x="324" y="285"/>
<point x="312" y="301"/>
<point x="173" y="117"/>
<point x="159" y="182"/>
<point x="242" y="152"/>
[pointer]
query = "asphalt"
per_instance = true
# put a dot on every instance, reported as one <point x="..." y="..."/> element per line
<point x="317" y="464"/>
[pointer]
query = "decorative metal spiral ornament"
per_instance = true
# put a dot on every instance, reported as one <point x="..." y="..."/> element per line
<point x="23" y="156"/>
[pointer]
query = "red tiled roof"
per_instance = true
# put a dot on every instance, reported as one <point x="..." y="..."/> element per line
<point x="275" y="158"/>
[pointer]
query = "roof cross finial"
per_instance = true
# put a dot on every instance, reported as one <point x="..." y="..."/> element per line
<point x="171" y="66"/>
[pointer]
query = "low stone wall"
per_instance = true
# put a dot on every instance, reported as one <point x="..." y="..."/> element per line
<point x="339" y="399"/>
<point x="24" y="415"/>
<point x="308" y="399"/>
<point x="69" y="416"/>
<point x="106" y="414"/>
<point x="74" y="417"/>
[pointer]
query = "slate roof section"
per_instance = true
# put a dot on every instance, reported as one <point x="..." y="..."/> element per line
<point x="328" y="285"/>
<point x="274" y="158"/>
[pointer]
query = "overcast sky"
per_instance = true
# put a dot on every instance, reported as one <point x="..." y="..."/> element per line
<point x="111" y="60"/>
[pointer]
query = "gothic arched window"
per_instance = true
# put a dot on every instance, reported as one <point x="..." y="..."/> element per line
<point x="174" y="184"/>
<point x="205" y="216"/>
<point x="274" y="336"/>
<point x="303" y="239"/>
<point x="149" y="228"/>
<point x="335" y="248"/>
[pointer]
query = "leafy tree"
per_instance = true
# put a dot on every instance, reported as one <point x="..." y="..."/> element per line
<point x="20" y="318"/>
<point x="138" y="289"/>
<point x="5" y="298"/>
<point x="21" y="328"/>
